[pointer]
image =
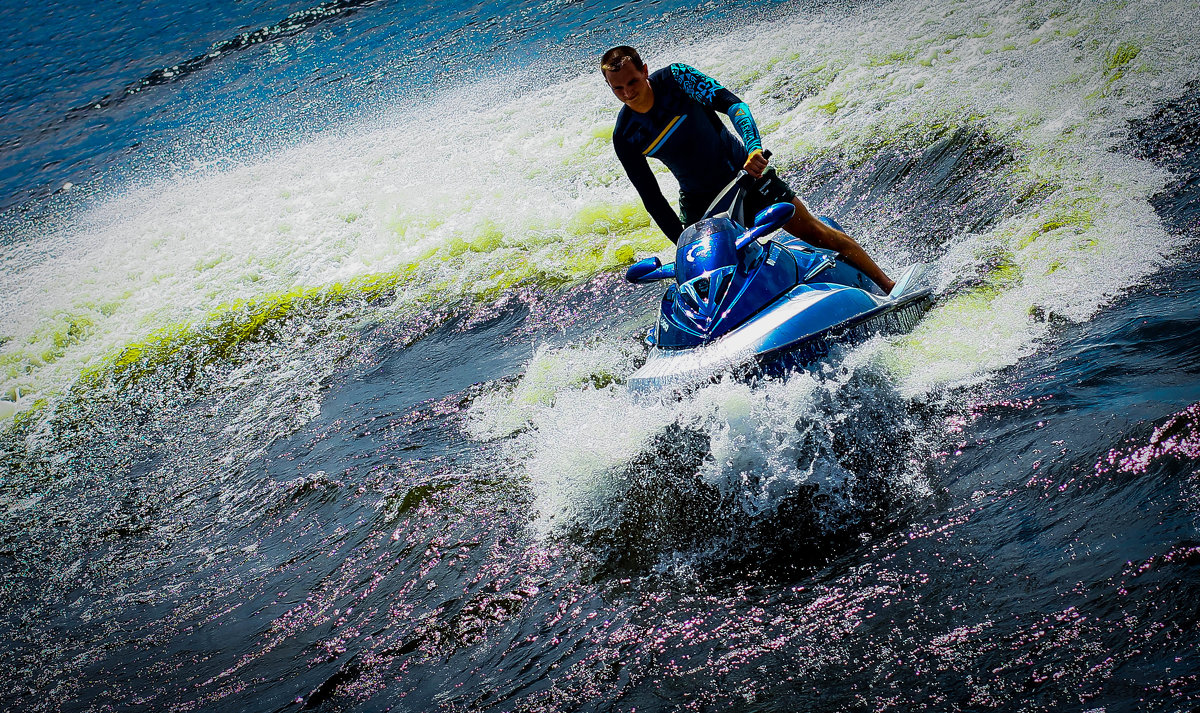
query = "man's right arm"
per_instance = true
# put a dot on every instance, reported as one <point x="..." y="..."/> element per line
<point x="638" y="170"/>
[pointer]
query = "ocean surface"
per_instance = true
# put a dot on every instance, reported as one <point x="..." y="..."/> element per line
<point x="313" y="346"/>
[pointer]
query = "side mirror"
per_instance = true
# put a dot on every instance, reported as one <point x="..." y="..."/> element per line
<point x="766" y="222"/>
<point x="649" y="269"/>
<point x="641" y="268"/>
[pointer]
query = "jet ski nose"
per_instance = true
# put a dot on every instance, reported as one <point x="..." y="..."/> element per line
<point x="704" y="294"/>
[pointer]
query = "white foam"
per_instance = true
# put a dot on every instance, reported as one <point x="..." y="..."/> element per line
<point x="549" y="375"/>
<point x="764" y="441"/>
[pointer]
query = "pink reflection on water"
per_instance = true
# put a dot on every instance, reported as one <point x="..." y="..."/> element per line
<point x="1178" y="438"/>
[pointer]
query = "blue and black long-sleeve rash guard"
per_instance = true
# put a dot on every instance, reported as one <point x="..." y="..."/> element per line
<point x="683" y="131"/>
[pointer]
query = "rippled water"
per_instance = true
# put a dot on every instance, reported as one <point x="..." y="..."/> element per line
<point x="313" y="380"/>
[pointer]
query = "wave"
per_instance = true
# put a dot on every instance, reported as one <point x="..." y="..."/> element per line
<point x="1031" y="211"/>
<point x="987" y="144"/>
<point x="294" y="24"/>
<point x="787" y="472"/>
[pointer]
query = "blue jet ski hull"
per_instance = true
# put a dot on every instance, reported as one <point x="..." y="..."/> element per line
<point x="741" y="301"/>
<point x="793" y="332"/>
<point x="740" y="306"/>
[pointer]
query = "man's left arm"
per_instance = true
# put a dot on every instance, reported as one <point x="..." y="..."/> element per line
<point x="710" y="93"/>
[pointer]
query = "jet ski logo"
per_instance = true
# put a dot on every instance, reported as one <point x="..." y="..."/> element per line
<point x="699" y="249"/>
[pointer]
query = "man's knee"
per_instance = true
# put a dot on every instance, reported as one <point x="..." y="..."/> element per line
<point x="804" y="225"/>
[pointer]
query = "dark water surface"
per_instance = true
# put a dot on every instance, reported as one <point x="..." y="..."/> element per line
<point x="329" y="517"/>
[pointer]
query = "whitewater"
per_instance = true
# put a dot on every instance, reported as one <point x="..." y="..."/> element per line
<point x="313" y="347"/>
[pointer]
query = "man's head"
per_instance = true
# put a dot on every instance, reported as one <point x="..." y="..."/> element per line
<point x="629" y="77"/>
<point x="617" y="57"/>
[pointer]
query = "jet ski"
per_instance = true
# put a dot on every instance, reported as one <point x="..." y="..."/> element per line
<point x="756" y="300"/>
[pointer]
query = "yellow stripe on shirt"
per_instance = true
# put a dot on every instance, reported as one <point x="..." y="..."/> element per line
<point x="659" y="138"/>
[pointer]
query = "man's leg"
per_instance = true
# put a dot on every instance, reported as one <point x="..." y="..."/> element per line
<point x="804" y="225"/>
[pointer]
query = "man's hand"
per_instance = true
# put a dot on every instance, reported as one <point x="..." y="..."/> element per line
<point x="756" y="163"/>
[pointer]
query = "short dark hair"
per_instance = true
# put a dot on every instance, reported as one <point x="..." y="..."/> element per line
<point x="616" y="58"/>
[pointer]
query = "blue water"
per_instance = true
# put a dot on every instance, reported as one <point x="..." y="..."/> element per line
<point x="437" y="496"/>
<point x="84" y="96"/>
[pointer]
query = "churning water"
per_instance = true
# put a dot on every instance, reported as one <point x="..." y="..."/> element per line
<point x="313" y="349"/>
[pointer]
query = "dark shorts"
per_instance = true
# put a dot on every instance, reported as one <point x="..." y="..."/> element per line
<point x="763" y="193"/>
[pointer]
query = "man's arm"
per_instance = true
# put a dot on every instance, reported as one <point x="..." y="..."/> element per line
<point x="638" y="170"/>
<point x="710" y="93"/>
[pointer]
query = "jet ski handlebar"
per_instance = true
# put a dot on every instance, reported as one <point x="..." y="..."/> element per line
<point x="766" y="222"/>
<point x="769" y="220"/>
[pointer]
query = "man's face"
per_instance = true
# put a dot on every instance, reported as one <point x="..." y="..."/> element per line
<point x="631" y="85"/>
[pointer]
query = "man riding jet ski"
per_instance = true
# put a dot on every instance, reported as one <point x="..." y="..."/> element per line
<point x="671" y="115"/>
<point x="736" y="301"/>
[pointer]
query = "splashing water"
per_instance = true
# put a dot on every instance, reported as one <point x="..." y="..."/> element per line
<point x="338" y="422"/>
